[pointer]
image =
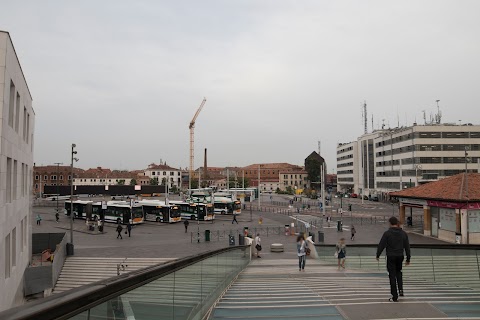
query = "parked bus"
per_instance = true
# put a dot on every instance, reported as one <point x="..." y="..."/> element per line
<point x="79" y="208"/>
<point x="123" y="212"/>
<point x="224" y="205"/>
<point x="155" y="210"/>
<point x="118" y="212"/>
<point x="194" y="211"/>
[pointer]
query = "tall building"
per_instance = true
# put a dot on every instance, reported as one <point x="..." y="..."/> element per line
<point x="18" y="123"/>
<point x="395" y="159"/>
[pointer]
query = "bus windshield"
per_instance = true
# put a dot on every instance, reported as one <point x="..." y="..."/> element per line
<point x="137" y="212"/>
<point x="175" y="212"/>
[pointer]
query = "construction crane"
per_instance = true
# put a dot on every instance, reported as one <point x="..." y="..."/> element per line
<point x="192" y="147"/>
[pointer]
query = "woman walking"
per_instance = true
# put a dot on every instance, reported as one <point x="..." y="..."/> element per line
<point x="258" y="244"/>
<point x="301" y="252"/>
<point x="353" y="231"/>
<point x="341" y="253"/>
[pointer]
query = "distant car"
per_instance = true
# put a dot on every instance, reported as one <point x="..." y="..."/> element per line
<point x="375" y="198"/>
<point x="353" y="195"/>
<point x="365" y="197"/>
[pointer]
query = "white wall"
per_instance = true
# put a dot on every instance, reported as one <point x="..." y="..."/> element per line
<point x="15" y="214"/>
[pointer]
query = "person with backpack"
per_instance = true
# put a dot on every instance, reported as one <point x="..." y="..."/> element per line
<point x="186" y="223"/>
<point x="119" y="231"/>
<point x="57" y="216"/>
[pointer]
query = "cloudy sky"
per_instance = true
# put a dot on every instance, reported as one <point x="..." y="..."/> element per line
<point x="123" y="79"/>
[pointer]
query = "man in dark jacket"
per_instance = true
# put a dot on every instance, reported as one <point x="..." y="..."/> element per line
<point x="395" y="240"/>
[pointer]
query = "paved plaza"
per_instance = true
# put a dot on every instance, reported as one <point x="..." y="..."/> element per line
<point x="157" y="240"/>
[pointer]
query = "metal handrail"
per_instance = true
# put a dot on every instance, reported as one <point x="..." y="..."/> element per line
<point x="70" y="303"/>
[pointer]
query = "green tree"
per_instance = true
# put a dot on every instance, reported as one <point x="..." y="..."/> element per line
<point x="121" y="182"/>
<point x="289" y="190"/>
<point x="164" y="181"/>
<point x="133" y="182"/>
<point x="154" y="181"/>
<point x="194" y="183"/>
<point x="174" y="189"/>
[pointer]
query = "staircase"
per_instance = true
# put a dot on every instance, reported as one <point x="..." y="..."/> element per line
<point x="79" y="271"/>
<point x="275" y="289"/>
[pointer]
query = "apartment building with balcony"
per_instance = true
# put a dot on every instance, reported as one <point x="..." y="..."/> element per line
<point x="16" y="152"/>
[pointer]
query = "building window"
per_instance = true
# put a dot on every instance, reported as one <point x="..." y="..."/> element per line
<point x="17" y="115"/>
<point x="28" y="127"/>
<point x="69" y="177"/>
<point x="45" y="177"/>
<point x="164" y="173"/>
<point x="36" y="177"/>
<point x="172" y="173"/>
<point x="9" y="180"/>
<point x="153" y="173"/>
<point x="11" y="106"/>
<point x="24" y="124"/>
<point x="36" y="185"/>
<point x="54" y="177"/>
<point x="61" y="177"/>
<point x="14" y="247"/>
<point x="7" y="256"/>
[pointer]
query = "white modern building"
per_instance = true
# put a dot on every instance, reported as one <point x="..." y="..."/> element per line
<point x="394" y="159"/>
<point x="18" y="124"/>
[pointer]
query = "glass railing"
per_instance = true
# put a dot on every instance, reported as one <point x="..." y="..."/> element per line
<point x="183" y="289"/>
<point x="450" y="264"/>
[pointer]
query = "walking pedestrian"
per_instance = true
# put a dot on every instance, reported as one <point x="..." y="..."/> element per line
<point x="258" y="244"/>
<point x="186" y="223"/>
<point x="234" y="217"/>
<point x="119" y="231"/>
<point x="395" y="240"/>
<point x="57" y="216"/>
<point x="353" y="231"/>
<point x="341" y="253"/>
<point x="39" y="219"/>
<point x="301" y="252"/>
<point x="129" y="228"/>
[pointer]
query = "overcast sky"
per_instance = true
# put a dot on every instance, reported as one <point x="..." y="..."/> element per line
<point x="123" y="79"/>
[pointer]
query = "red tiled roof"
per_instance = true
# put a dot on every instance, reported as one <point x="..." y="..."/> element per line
<point x="161" y="167"/>
<point x="282" y="166"/>
<point x="453" y="188"/>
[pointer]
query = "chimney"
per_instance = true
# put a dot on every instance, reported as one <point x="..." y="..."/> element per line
<point x="205" y="168"/>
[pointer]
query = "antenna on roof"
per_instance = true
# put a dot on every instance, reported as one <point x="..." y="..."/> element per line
<point x="364" y="115"/>
<point x="438" y="116"/>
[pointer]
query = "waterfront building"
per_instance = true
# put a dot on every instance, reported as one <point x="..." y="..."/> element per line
<point x="16" y="145"/>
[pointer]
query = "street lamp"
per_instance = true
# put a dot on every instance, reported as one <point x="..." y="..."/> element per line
<point x="70" y="247"/>
<point x="417" y="167"/>
<point x="58" y="194"/>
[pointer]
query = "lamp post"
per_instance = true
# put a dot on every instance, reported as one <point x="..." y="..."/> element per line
<point x="58" y="174"/>
<point x="417" y="167"/>
<point x="70" y="252"/>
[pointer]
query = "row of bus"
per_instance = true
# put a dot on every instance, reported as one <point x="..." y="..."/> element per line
<point x="137" y="212"/>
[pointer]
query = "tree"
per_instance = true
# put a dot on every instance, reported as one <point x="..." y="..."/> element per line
<point x="194" y="183"/>
<point x="164" y="181"/>
<point x="173" y="189"/>
<point x="133" y="182"/>
<point x="121" y="182"/>
<point x="154" y="181"/>
<point x="289" y="190"/>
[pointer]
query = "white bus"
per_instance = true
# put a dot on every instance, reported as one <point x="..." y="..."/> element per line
<point x="224" y="205"/>
<point x="155" y="210"/>
<point x="194" y="211"/>
<point x="118" y="212"/>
